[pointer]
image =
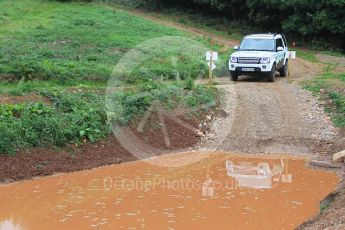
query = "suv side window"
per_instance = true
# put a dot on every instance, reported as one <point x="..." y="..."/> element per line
<point x="279" y="42"/>
<point x="284" y="40"/>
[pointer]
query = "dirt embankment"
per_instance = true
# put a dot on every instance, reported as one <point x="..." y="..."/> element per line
<point x="48" y="161"/>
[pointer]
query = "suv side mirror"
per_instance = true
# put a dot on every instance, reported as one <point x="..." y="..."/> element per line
<point x="280" y="48"/>
<point x="235" y="47"/>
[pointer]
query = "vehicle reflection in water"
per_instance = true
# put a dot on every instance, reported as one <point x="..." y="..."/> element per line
<point x="260" y="175"/>
<point x="9" y="225"/>
<point x="220" y="191"/>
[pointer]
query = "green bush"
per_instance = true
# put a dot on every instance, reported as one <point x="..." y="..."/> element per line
<point x="126" y="106"/>
<point x="71" y="118"/>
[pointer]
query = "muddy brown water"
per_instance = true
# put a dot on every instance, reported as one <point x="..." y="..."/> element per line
<point x="196" y="191"/>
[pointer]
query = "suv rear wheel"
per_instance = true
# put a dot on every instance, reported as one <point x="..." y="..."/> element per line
<point x="272" y="74"/>
<point x="284" y="71"/>
<point x="233" y="76"/>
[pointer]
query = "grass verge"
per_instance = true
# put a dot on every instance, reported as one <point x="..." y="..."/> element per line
<point x="329" y="87"/>
<point x="306" y="55"/>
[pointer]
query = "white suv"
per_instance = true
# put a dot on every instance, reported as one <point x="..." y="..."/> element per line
<point x="260" y="54"/>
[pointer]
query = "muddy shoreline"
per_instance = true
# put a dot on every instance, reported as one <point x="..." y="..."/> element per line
<point x="38" y="162"/>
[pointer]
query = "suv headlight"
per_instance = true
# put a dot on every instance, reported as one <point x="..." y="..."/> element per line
<point x="233" y="59"/>
<point x="265" y="60"/>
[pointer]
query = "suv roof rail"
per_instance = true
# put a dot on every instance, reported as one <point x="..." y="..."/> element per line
<point x="262" y="34"/>
<point x="274" y="34"/>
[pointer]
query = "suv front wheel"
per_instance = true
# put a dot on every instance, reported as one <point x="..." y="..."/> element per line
<point x="233" y="76"/>
<point x="272" y="74"/>
<point x="284" y="71"/>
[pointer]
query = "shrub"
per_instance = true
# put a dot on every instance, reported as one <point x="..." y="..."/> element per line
<point x="71" y="118"/>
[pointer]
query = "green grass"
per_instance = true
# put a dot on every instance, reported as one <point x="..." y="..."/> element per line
<point x="324" y="206"/>
<point x="310" y="54"/>
<point x="51" y="40"/>
<point x="21" y="88"/>
<point x="306" y="54"/>
<point x="339" y="103"/>
<point x="332" y="53"/>
<point x="327" y="80"/>
<point x="70" y="42"/>
<point x="67" y="52"/>
<point x="127" y="106"/>
<point x="330" y="87"/>
<point x="69" y="119"/>
<point x="214" y="24"/>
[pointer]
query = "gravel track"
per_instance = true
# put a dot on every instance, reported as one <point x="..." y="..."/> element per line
<point x="269" y="118"/>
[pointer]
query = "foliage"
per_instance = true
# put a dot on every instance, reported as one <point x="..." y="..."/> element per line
<point x="318" y="22"/>
<point x="339" y="103"/>
<point x="75" y="117"/>
<point x="69" y="119"/>
<point x="329" y="86"/>
<point x="128" y="105"/>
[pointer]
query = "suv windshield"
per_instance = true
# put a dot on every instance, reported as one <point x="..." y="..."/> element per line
<point x="257" y="44"/>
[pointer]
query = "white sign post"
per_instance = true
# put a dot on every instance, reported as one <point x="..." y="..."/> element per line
<point x="213" y="54"/>
<point x="292" y="54"/>
<point x="213" y="65"/>
<point x="211" y="57"/>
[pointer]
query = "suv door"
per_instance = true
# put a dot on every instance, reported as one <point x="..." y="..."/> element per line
<point x="280" y="54"/>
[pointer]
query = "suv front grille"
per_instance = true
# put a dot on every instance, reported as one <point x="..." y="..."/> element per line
<point x="248" y="60"/>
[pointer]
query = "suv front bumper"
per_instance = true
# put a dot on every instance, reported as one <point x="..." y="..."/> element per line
<point x="250" y="68"/>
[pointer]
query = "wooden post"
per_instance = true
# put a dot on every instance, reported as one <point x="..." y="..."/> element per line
<point x="211" y="40"/>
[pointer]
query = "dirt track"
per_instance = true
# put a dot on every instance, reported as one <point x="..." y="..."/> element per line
<point x="268" y="118"/>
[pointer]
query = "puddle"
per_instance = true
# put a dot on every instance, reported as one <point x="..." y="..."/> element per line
<point x="219" y="191"/>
